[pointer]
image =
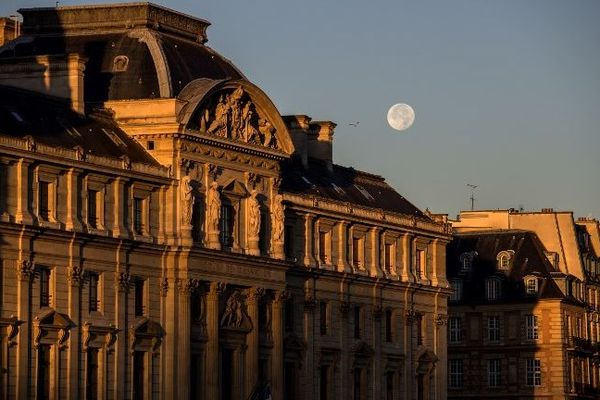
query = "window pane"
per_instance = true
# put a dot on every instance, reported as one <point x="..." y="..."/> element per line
<point x="44" y="206"/>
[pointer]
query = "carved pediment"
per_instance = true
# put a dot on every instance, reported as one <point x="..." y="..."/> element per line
<point x="232" y="114"/>
<point x="236" y="188"/>
<point x="145" y="335"/>
<point x="50" y="327"/>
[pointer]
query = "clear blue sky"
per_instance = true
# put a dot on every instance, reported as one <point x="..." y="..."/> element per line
<point x="506" y="93"/>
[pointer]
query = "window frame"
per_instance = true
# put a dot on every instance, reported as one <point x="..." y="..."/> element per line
<point x="455" y="329"/>
<point x="533" y="372"/>
<point x="493" y="289"/>
<point x="455" y="373"/>
<point x="531" y="289"/>
<point x="494" y="372"/>
<point x="93" y="290"/>
<point x="493" y="327"/>
<point x="531" y="327"/>
<point x="457" y="286"/>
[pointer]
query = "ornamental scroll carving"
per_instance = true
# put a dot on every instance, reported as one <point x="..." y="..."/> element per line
<point x="234" y="116"/>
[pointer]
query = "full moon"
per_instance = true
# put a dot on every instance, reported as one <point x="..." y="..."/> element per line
<point x="401" y="116"/>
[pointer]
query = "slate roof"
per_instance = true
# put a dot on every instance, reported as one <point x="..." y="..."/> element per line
<point x="528" y="259"/>
<point x="50" y="121"/>
<point x="345" y="184"/>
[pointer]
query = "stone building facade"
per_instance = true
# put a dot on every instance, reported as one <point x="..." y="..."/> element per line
<point x="166" y="233"/>
<point x="523" y="321"/>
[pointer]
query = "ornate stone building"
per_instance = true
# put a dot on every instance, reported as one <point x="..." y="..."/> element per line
<point x="523" y="320"/>
<point x="166" y="233"/>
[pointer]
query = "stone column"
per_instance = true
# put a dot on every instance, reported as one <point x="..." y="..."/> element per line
<point x="277" y="330"/>
<point x="25" y="273"/>
<point x="252" y="340"/>
<point x="121" y="359"/>
<point x="23" y="214"/>
<point x="375" y="253"/>
<point x="342" y="246"/>
<point x="406" y="243"/>
<point x="212" y="346"/>
<point x="438" y="264"/>
<point x="309" y="258"/>
<point x="75" y="278"/>
<point x="378" y="366"/>
<point x="441" y="350"/>
<point x="186" y="288"/>
<point x="73" y="220"/>
<point x="408" y="374"/>
<point x="310" y="391"/>
<point x="345" y="382"/>
<point x="120" y="206"/>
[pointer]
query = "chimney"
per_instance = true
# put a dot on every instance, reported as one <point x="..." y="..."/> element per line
<point x="298" y="126"/>
<point x="547" y="210"/>
<point x="320" y="142"/>
<point x="9" y="29"/>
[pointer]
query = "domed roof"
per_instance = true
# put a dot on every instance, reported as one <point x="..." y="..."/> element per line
<point x="133" y="51"/>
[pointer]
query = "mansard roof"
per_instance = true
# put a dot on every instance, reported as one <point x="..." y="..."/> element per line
<point x="344" y="184"/>
<point x="134" y="51"/>
<point x="528" y="259"/>
<point x="50" y="121"/>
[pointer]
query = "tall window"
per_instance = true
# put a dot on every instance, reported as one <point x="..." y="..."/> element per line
<point x="357" y="251"/>
<point x="289" y="315"/>
<point x="455" y="329"/>
<point x="44" y="200"/>
<point x="457" y="288"/>
<point x="91" y="384"/>
<point x="43" y="372"/>
<point x="492" y="289"/>
<point x="226" y="225"/>
<point x="455" y="373"/>
<point x="389" y="325"/>
<point x="45" y="287"/>
<point x="419" y="320"/>
<point x="290" y="380"/>
<point x="419" y="263"/>
<point x="324" y="382"/>
<point x="138" y="215"/>
<point x="139" y="297"/>
<point x="493" y="328"/>
<point x="323" y="318"/>
<point x="465" y="262"/>
<point x="533" y="372"/>
<point x="263" y="240"/>
<point x="138" y="378"/>
<point x="389" y="257"/>
<point x="493" y="372"/>
<point x="504" y="258"/>
<point x="92" y="208"/>
<point x="93" y="291"/>
<point x="357" y="324"/>
<point x="323" y="247"/>
<point x="531" y="327"/>
<point x="288" y="242"/>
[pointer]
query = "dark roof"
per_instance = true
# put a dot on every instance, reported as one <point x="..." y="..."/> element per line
<point x="528" y="259"/>
<point x="345" y="184"/>
<point x="50" y="121"/>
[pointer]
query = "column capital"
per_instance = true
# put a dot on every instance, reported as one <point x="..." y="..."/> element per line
<point x="75" y="276"/>
<point x="280" y="296"/>
<point x="163" y="286"/>
<point x="25" y="270"/>
<point x="254" y="294"/>
<point x="377" y="312"/>
<point x="344" y="308"/>
<point x="309" y="303"/>
<point x="122" y="281"/>
<point x="441" y="319"/>
<point x="187" y="286"/>
<point x="217" y="288"/>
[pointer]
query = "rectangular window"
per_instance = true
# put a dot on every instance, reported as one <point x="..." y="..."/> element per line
<point x="492" y="289"/>
<point x="93" y="291"/>
<point x="139" y="297"/>
<point x="43" y="372"/>
<point x="288" y="242"/>
<point x="419" y="319"/>
<point x="263" y="239"/>
<point x="531" y="327"/>
<point x="138" y="377"/>
<point x="323" y="318"/>
<point x="92" y="208"/>
<point x="455" y="329"/>
<point x="45" y="287"/>
<point x="289" y="315"/>
<point x="357" y="322"/>
<point x="323" y="382"/>
<point x="357" y="251"/>
<point x="226" y="225"/>
<point x="493" y="328"/>
<point x="290" y="380"/>
<point x="323" y="253"/>
<point x="420" y="263"/>
<point x="91" y="384"/>
<point x="389" y="257"/>
<point x="456" y="295"/>
<point x="493" y="372"/>
<point x="455" y="373"/>
<point x="44" y="200"/>
<point x="138" y="215"/>
<point x="534" y="372"/>
<point x="389" y="325"/>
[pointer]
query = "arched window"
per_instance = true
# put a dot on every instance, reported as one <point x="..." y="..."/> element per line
<point x="493" y="289"/>
<point x="466" y="261"/>
<point x="531" y="285"/>
<point x="504" y="259"/>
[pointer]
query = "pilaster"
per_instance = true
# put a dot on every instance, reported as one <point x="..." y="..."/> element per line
<point x="185" y="289"/>
<point x="75" y="278"/>
<point x="25" y="273"/>
<point x="277" y="360"/>
<point x="254" y="295"/>
<point x="342" y="246"/>
<point x="212" y="346"/>
<point x="375" y="253"/>
<point x="23" y="214"/>
<point x="73" y="220"/>
<point x="309" y="259"/>
<point x="122" y="283"/>
<point x="120" y="206"/>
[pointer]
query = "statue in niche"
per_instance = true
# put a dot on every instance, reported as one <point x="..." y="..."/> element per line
<point x="233" y="316"/>
<point x="237" y="119"/>
<point x="213" y="207"/>
<point x="187" y="195"/>
<point x="278" y="218"/>
<point x="253" y="215"/>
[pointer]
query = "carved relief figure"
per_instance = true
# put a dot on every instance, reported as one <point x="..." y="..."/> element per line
<point x="187" y="195"/>
<point x="253" y="215"/>
<point x="213" y="208"/>
<point x="233" y="316"/>
<point x="278" y="218"/>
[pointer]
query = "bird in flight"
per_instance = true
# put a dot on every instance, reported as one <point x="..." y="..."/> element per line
<point x="354" y="124"/>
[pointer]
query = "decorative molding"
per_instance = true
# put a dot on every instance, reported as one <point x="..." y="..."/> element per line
<point x="122" y="281"/>
<point x="25" y="270"/>
<point x="441" y="319"/>
<point x="187" y="286"/>
<point x="75" y="276"/>
<point x="344" y="309"/>
<point x="163" y="286"/>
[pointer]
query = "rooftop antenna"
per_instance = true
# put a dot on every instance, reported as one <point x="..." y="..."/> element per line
<point x="472" y="198"/>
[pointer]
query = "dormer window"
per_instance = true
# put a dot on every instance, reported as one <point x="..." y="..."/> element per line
<point x="493" y="288"/>
<point x="531" y="285"/>
<point x="504" y="259"/>
<point x="466" y="261"/>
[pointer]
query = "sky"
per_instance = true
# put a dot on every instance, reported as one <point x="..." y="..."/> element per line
<point x="506" y="93"/>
